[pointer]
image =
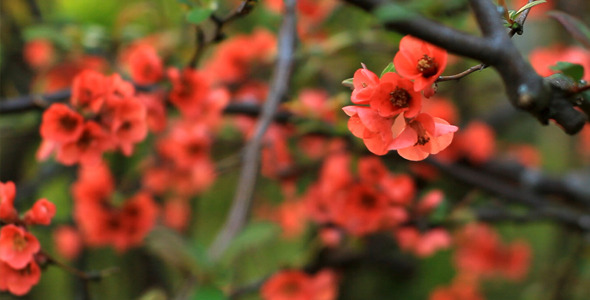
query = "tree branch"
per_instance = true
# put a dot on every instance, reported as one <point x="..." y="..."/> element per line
<point x="524" y="87"/>
<point x="240" y="208"/>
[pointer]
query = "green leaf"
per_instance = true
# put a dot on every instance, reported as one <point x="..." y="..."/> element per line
<point x="391" y="12"/>
<point x="390" y="68"/>
<point x="348" y="83"/>
<point x="529" y="5"/>
<point x="573" y="25"/>
<point x="254" y="235"/>
<point x="575" y="71"/>
<point x="208" y="293"/>
<point x="198" y="15"/>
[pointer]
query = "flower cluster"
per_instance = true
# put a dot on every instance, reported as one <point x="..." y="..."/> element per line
<point x="19" y="270"/>
<point x="391" y="117"/>
<point x="101" y="220"/>
<point x="375" y="200"/>
<point x="480" y="254"/>
<point x="297" y="285"/>
<point x="104" y="115"/>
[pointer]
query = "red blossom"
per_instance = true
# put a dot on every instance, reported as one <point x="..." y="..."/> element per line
<point x="19" y="281"/>
<point x="145" y="65"/>
<point x="88" y="91"/>
<point x="88" y="148"/>
<point x="39" y="53"/>
<point x="7" y="211"/>
<point x="296" y="285"/>
<point x="68" y="242"/>
<point x="41" y="213"/>
<point x="542" y="59"/>
<point x="396" y="95"/>
<point x="189" y="89"/>
<point x="368" y="125"/>
<point x="416" y="139"/>
<point x="366" y="83"/>
<point x="17" y="246"/>
<point x="420" y="61"/>
<point x="61" y="124"/>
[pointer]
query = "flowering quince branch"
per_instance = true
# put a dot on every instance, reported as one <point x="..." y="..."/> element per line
<point x="524" y="87"/>
<point x="241" y="203"/>
<point x="506" y="191"/>
<point x="243" y="9"/>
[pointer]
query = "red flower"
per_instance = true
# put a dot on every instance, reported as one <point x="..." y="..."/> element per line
<point x="129" y="124"/>
<point x="19" y="281"/>
<point x="61" y="124"/>
<point x="287" y="285"/>
<point x="543" y="58"/>
<point x="480" y="252"/>
<point x="477" y="142"/>
<point x="176" y="213"/>
<point x="88" y="90"/>
<point x="423" y="245"/>
<point x="367" y="124"/>
<point x="68" y="242"/>
<point x="87" y="149"/>
<point x="420" y="61"/>
<point x="17" y="246"/>
<point x="144" y="63"/>
<point x="363" y="211"/>
<point x="189" y="89"/>
<point x="365" y="84"/>
<point x="396" y="95"/>
<point x="424" y="135"/>
<point x="7" y="211"/>
<point x="39" y="53"/>
<point x="41" y="213"/>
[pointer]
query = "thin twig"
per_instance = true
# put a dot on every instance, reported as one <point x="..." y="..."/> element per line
<point x="519" y="30"/>
<point x="202" y="42"/>
<point x="240" y="208"/>
<point x="84" y="275"/>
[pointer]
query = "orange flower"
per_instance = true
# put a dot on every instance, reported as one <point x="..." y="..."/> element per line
<point x="7" y="211"/>
<point x="396" y="95"/>
<point x="420" y="61"/>
<point x="39" y="53"/>
<point x="417" y="138"/>
<point x="41" y="213"/>
<point x="287" y="285"/>
<point x="87" y="149"/>
<point x="17" y="246"/>
<point x="68" y="242"/>
<point x="543" y="58"/>
<point x="365" y="84"/>
<point x="144" y="63"/>
<point x="296" y="285"/>
<point x="61" y="124"/>
<point x="367" y="124"/>
<point x="19" y="281"/>
<point x="88" y="90"/>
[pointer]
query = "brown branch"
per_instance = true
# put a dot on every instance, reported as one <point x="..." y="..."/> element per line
<point x="525" y="89"/>
<point x="202" y="42"/>
<point x="240" y="208"/>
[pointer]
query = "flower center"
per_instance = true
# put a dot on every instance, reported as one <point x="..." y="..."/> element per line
<point x="19" y="243"/>
<point x="368" y="201"/>
<point x="68" y="123"/>
<point x="423" y="137"/>
<point x="422" y="140"/>
<point x="427" y="66"/>
<point x="400" y="98"/>
<point x="290" y="288"/>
